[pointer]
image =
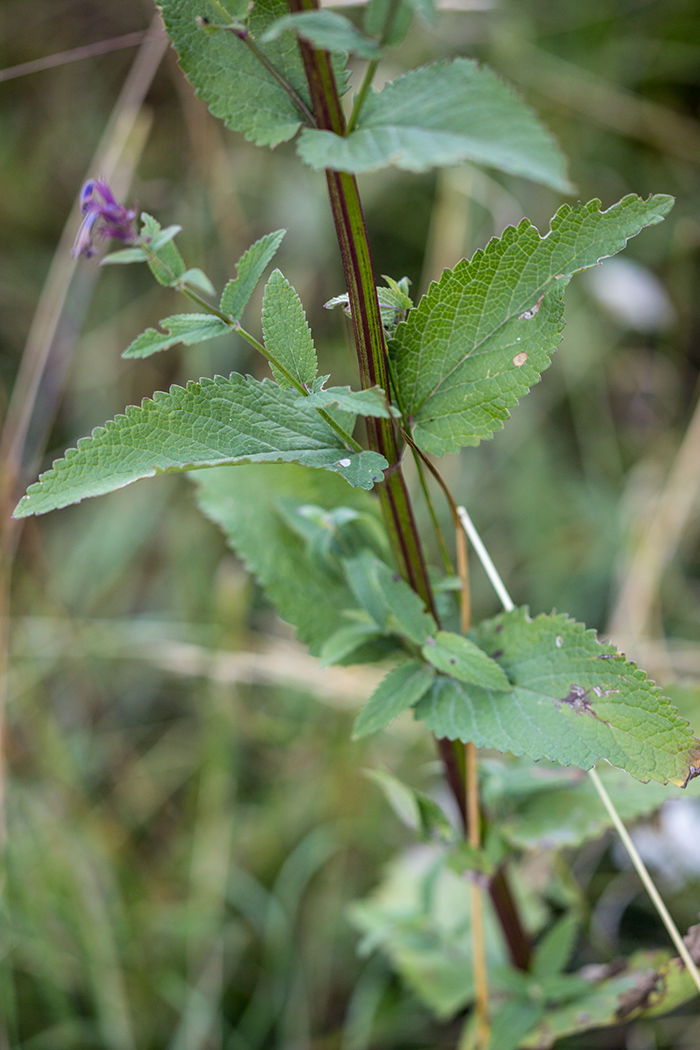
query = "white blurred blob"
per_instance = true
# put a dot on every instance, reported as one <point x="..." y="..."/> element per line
<point x="632" y="294"/>
<point x="671" y="846"/>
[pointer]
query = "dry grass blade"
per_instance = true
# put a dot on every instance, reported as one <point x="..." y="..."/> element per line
<point x="658" y="541"/>
<point x="115" y="159"/>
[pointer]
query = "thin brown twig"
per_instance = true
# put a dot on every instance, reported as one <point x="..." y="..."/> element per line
<point x="77" y="54"/>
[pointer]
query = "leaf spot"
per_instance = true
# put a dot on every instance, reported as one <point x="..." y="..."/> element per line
<point x="529" y="314"/>
<point x="520" y="359"/>
<point x="578" y="700"/>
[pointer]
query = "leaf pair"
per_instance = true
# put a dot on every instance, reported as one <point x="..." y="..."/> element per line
<point x="443" y="114"/>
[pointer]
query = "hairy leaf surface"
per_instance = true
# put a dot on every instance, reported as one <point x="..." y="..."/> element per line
<point x="573" y="700"/>
<point x="401" y="689"/>
<point x="227" y="76"/>
<point x="369" y="402"/>
<point x="210" y="423"/>
<point x="461" y="658"/>
<point x="444" y="113"/>
<point x="180" y="328"/>
<point x="246" y="504"/>
<point x="327" y="31"/>
<point x="483" y="333"/>
<point x="287" y="333"/>
<point x="249" y="269"/>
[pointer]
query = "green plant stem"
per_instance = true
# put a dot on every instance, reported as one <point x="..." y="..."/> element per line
<point x="350" y="442"/>
<point x="371" y="69"/>
<point x="366" y="319"/>
<point x="372" y="359"/>
<point x="444" y="553"/>
<point x="362" y="95"/>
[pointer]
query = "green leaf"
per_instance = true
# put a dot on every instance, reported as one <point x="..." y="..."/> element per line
<point x="511" y="1023"/>
<point x="287" y="333"/>
<point x="482" y="335"/>
<point x="199" y="280"/>
<point x="346" y="641"/>
<point x="210" y="423"/>
<point x="573" y="700"/>
<point x="369" y="402"/>
<point x="650" y="984"/>
<point x="415" y="809"/>
<point x="400" y="797"/>
<point x="327" y="31"/>
<point x="554" y="950"/>
<point x="420" y="917"/>
<point x="442" y="114"/>
<point x="401" y="689"/>
<point x="124" y="256"/>
<point x="180" y="328"/>
<point x="388" y="599"/>
<point x="458" y="656"/>
<point x="227" y="76"/>
<point x="392" y="301"/>
<point x="250" y="268"/>
<point x="163" y="237"/>
<point x="247" y="504"/>
<point x="400" y="14"/>
<point x="545" y="807"/>
<point x="167" y="266"/>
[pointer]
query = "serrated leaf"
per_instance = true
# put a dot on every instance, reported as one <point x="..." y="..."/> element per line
<point x="573" y="700"/>
<point x="189" y="329"/>
<point x="482" y="335"/>
<point x="455" y="655"/>
<point x="249" y="269"/>
<point x="167" y="266"/>
<point x="247" y="504"/>
<point x="388" y="599"/>
<point x="369" y="402"/>
<point x="326" y="30"/>
<point x="442" y="114"/>
<point x="287" y="333"/>
<point x="210" y="423"/>
<point x="227" y="76"/>
<point x="198" y="279"/>
<point x="546" y="807"/>
<point x="401" y="689"/>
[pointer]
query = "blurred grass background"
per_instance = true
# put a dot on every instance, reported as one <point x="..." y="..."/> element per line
<point x="185" y="830"/>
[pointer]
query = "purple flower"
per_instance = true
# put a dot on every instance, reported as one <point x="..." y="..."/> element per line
<point x="103" y="217"/>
